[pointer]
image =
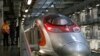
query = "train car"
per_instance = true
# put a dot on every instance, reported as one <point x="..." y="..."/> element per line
<point x="58" y="35"/>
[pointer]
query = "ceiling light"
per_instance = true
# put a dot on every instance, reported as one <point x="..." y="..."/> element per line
<point x="73" y="14"/>
<point x="84" y="10"/>
<point x="46" y="10"/>
<point x="98" y="5"/>
<point x="29" y="2"/>
<point x="22" y="22"/>
<point x="26" y="10"/>
<point x="42" y="13"/>
<point x="23" y="19"/>
<point x="90" y="8"/>
<point x="52" y="5"/>
<point x="24" y="15"/>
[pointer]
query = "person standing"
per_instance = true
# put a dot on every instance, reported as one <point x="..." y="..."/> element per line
<point x="12" y="32"/>
<point x="5" y="30"/>
<point x="17" y="34"/>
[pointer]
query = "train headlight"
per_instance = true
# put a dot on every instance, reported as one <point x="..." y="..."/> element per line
<point x="76" y="29"/>
<point x="41" y="51"/>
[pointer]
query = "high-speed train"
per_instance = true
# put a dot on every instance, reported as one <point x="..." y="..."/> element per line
<point x="59" y="35"/>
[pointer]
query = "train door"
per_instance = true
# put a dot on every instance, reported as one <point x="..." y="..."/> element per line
<point x="37" y="37"/>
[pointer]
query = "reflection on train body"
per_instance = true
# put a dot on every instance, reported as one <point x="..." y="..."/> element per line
<point x="59" y="36"/>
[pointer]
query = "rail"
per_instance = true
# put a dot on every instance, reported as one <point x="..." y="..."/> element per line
<point x="24" y="45"/>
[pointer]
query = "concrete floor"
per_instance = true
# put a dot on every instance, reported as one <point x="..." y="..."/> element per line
<point x="95" y="54"/>
<point x="14" y="51"/>
<point x="9" y="51"/>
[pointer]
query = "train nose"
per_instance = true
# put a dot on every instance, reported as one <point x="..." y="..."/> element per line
<point x="73" y="49"/>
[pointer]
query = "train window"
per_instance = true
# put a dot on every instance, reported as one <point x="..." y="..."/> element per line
<point x="60" y="21"/>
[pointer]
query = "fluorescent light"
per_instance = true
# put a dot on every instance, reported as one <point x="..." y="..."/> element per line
<point x="23" y="19"/>
<point x="24" y="15"/>
<point x="46" y="10"/>
<point x="73" y="14"/>
<point x="42" y="13"/>
<point x="29" y="2"/>
<point x="84" y="10"/>
<point x="98" y="5"/>
<point x="52" y="5"/>
<point x="21" y="23"/>
<point x="26" y="10"/>
<point x="90" y="7"/>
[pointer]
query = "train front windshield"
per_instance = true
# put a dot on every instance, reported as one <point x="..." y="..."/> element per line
<point x="60" y="21"/>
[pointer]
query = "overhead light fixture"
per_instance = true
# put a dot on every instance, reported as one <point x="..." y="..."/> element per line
<point x="90" y="8"/>
<point x="46" y="10"/>
<point x="29" y="2"/>
<point x="26" y="10"/>
<point x="73" y="14"/>
<point x="98" y="5"/>
<point x="24" y="15"/>
<point x="84" y="10"/>
<point x="22" y="22"/>
<point x="42" y="13"/>
<point x="52" y="5"/>
<point x="23" y="19"/>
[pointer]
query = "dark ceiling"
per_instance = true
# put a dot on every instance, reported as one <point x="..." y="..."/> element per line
<point x="39" y="8"/>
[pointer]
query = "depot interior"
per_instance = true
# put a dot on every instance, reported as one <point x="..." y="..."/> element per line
<point x="85" y="12"/>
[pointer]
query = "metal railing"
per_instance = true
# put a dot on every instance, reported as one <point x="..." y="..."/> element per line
<point x="24" y="45"/>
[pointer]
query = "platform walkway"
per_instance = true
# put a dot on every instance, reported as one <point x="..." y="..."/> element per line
<point x="9" y="51"/>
